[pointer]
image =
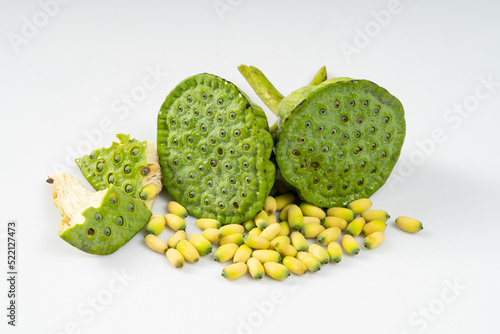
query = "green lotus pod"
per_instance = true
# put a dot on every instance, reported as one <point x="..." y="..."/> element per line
<point x="214" y="147"/>
<point x="338" y="140"/>
<point x="130" y="165"/>
<point x="96" y="222"/>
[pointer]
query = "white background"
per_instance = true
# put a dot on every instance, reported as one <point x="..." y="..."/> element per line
<point x="60" y="82"/>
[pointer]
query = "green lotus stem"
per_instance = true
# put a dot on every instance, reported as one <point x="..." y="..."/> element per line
<point x="319" y="77"/>
<point x="262" y="86"/>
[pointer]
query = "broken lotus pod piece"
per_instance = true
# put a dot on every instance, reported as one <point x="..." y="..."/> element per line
<point x="130" y="165"/>
<point x="337" y="141"/>
<point x="214" y="147"/>
<point x="96" y="222"/>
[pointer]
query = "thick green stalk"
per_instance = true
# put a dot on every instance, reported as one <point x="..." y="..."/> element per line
<point x="319" y="77"/>
<point x="262" y="86"/>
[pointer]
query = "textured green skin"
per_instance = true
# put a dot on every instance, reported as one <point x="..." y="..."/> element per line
<point x="99" y="180"/>
<point x="250" y="120"/>
<point x="99" y="243"/>
<point x="300" y="171"/>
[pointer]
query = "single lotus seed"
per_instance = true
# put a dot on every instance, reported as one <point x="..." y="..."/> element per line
<point x="210" y="183"/>
<point x="220" y="119"/>
<point x="383" y="154"/>
<point x="180" y="108"/>
<point x="130" y="207"/>
<point x="180" y="180"/>
<point x="186" y="122"/>
<point x="373" y="146"/>
<point x="203" y="96"/>
<point x="357" y="150"/>
<point x="344" y="118"/>
<point x="222" y="205"/>
<point x="352" y="103"/>
<point x="310" y="149"/>
<point x="336" y="103"/>
<point x="375" y="112"/>
<point x="329" y="186"/>
<point x="191" y="175"/>
<point x="315" y="164"/>
<point x="321" y="128"/>
<point x="362" y="164"/>
<point x="301" y="139"/>
<point x="345" y="136"/>
<point x="334" y="132"/>
<point x="316" y="180"/>
<point x="232" y="115"/>
<point x="203" y="128"/>
<point x="206" y="201"/>
<point x="228" y="166"/>
<point x="232" y="180"/>
<point x="325" y="149"/>
<point x="99" y="166"/>
<point x="372" y="130"/>
<point x="223" y="191"/>
<point x="190" y="139"/>
<point x="232" y="151"/>
<point x="209" y="112"/>
<point x="222" y="133"/>
<point x="359" y="120"/>
<point x="220" y="102"/>
<point x="175" y="141"/>
<point x="98" y="216"/>
<point x="373" y="169"/>
<point x="203" y="148"/>
<point x="246" y="147"/>
<point x="111" y="179"/>
<point x="296" y="153"/>
<point x="196" y="113"/>
<point x="192" y="194"/>
<point x="143" y="195"/>
<point x="107" y="231"/>
<point x="135" y="151"/>
<point x="190" y="98"/>
<point x="189" y="157"/>
<point x="127" y="169"/>
<point x="243" y="194"/>
<point x="173" y="121"/>
<point x="175" y="162"/>
<point x="119" y="221"/>
<point x="113" y="199"/>
<point x="92" y="155"/>
<point x="330" y="169"/>
<point x="248" y="180"/>
<point x="145" y="171"/>
<point x="322" y="112"/>
<point x="237" y="133"/>
<point x="308" y="124"/>
<point x="387" y="136"/>
<point x="385" y="120"/>
<point x="340" y="154"/>
<point x="360" y="181"/>
<point x="347" y="168"/>
<point x="345" y="185"/>
<point x="213" y="163"/>
<point x="357" y="134"/>
<point x="201" y="168"/>
<point x="129" y="188"/>
<point x="365" y="104"/>
<point x="245" y="164"/>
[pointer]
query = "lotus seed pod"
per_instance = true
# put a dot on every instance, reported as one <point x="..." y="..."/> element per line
<point x="270" y="205"/>
<point x="311" y="231"/>
<point x="311" y="262"/>
<point x="225" y="252"/>
<point x="96" y="222"/>
<point x="343" y="213"/>
<point x="311" y="210"/>
<point x="370" y="215"/>
<point x="178" y="236"/>
<point x="231" y="229"/>
<point x="409" y="224"/>
<point x="255" y="268"/>
<point x="337" y="141"/>
<point x="234" y="271"/>
<point x="175" y="222"/>
<point x="374" y="240"/>
<point x="262" y="220"/>
<point x="285" y="249"/>
<point x="175" y="257"/>
<point x="232" y="239"/>
<point x="204" y="223"/>
<point x="212" y="234"/>
<point x="155" y="243"/>
<point x="295" y="266"/>
<point x="249" y="224"/>
<point x="266" y="255"/>
<point x="312" y="220"/>
<point x="271" y="231"/>
<point x="256" y="241"/>
<point x="130" y="165"/>
<point x="350" y="245"/>
<point x="329" y="235"/>
<point x="374" y="226"/>
<point x="295" y="217"/>
<point x="330" y="221"/>
<point x="298" y="241"/>
<point x="177" y="209"/>
<point x="211" y="134"/>
<point x="242" y="254"/>
<point x="272" y="219"/>
<point x="319" y="252"/>
<point x="335" y="252"/>
<point x="255" y="230"/>
<point x="355" y="227"/>
<point x="279" y="238"/>
<point x="284" y="200"/>
<point x="284" y="213"/>
<point x="202" y="245"/>
<point x="156" y="224"/>
<point x="276" y="270"/>
<point x="188" y="250"/>
<point x="285" y="228"/>
<point x="360" y="205"/>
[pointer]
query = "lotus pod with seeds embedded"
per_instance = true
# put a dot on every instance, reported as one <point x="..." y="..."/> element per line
<point x="130" y="165"/>
<point x="337" y="141"/>
<point x="214" y="147"/>
<point x="96" y="222"/>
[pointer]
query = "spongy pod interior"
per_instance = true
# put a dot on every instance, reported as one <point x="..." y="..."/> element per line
<point x="214" y="149"/>
<point x="96" y="222"/>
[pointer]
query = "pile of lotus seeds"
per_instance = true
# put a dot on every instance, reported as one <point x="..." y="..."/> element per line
<point x="264" y="246"/>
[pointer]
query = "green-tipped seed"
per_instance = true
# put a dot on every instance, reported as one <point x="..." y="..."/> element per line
<point x="231" y="229"/>
<point x="370" y="215"/>
<point x="262" y="220"/>
<point x="266" y="255"/>
<point x="335" y="252"/>
<point x="285" y="249"/>
<point x="295" y="217"/>
<point x="225" y="252"/>
<point x="331" y="221"/>
<point x="175" y="257"/>
<point x="156" y="224"/>
<point x="204" y="223"/>
<point x="175" y="222"/>
<point x="188" y="250"/>
<point x="270" y="205"/>
<point x="276" y="270"/>
<point x="177" y="209"/>
<point x="295" y="266"/>
<point x="312" y="210"/>
<point x="284" y="200"/>
<point x="149" y="191"/>
<point x="232" y="239"/>
<point x="249" y="224"/>
<point x="344" y="213"/>
<point x="311" y="230"/>
<point x="155" y="243"/>
<point x="234" y="271"/>
<point x="355" y="227"/>
<point x="279" y="238"/>
<point x="255" y="268"/>
<point x="242" y="254"/>
<point x="202" y="245"/>
<point x="256" y="241"/>
<point x="376" y="225"/>
<point x="255" y="230"/>
<point x="374" y="240"/>
<point x="329" y="235"/>
<point x="212" y="234"/>
<point x="319" y="252"/>
<point x="178" y="236"/>
<point x="350" y="245"/>
<point x="360" y="205"/>
<point x="298" y="241"/>
<point x="271" y="231"/>
<point x="312" y="263"/>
